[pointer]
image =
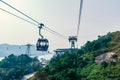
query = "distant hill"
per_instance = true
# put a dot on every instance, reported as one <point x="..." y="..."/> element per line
<point x="7" y="49"/>
<point x="96" y="60"/>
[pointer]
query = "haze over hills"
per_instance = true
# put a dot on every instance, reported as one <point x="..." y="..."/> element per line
<point x="7" y="49"/>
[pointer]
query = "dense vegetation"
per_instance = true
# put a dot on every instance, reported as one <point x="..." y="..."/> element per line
<point x="15" y="67"/>
<point x="81" y="65"/>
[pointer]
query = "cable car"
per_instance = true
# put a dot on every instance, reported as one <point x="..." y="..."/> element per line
<point x="42" y="43"/>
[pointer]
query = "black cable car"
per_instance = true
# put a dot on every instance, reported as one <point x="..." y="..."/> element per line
<point x="42" y="43"/>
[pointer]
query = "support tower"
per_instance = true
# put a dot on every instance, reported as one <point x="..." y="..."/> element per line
<point x="28" y="51"/>
<point x="72" y="40"/>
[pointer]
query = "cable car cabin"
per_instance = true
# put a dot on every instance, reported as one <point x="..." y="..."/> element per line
<point x="42" y="44"/>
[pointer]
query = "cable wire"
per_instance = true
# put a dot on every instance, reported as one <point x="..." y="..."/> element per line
<point x="18" y="17"/>
<point x="80" y="13"/>
<point x="19" y="11"/>
<point x="30" y="18"/>
<point x="55" y="32"/>
<point x="46" y="28"/>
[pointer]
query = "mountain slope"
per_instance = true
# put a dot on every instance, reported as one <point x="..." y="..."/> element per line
<point x="82" y="65"/>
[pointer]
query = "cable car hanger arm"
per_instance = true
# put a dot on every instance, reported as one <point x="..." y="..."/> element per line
<point x="40" y="27"/>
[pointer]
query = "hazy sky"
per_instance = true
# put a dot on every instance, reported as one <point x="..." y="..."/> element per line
<point x="98" y="18"/>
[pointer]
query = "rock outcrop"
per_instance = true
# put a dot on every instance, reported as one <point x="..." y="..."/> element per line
<point x="107" y="57"/>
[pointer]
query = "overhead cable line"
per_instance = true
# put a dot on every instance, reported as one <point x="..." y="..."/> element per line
<point x="49" y="30"/>
<point x="30" y="18"/>
<point x="79" y="19"/>
<point x="55" y="32"/>
<point x="18" y="17"/>
<point x="20" y="11"/>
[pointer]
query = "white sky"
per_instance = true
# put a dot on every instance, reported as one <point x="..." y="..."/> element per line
<point x="98" y="18"/>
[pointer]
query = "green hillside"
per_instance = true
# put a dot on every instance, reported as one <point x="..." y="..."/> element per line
<point x="15" y="67"/>
<point x="82" y="66"/>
